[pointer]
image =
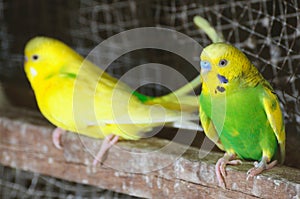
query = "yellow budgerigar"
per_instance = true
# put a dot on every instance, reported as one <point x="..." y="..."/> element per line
<point x="78" y="96"/>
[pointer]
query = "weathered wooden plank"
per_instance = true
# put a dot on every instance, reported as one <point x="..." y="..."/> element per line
<point x="152" y="168"/>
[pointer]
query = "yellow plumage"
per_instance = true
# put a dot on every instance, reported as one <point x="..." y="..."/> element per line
<point x="78" y="96"/>
<point x="75" y="95"/>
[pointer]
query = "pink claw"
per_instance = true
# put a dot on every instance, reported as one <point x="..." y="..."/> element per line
<point x="108" y="142"/>
<point x="260" y="167"/>
<point x="221" y="167"/>
<point x="56" y="136"/>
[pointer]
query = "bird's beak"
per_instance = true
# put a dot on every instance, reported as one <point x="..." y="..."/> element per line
<point x="205" y="66"/>
<point x="222" y="79"/>
<point x="25" y="59"/>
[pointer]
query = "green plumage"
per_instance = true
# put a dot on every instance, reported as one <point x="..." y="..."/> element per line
<point x="239" y="110"/>
<point x="240" y="120"/>
<point x="141" y="97"/>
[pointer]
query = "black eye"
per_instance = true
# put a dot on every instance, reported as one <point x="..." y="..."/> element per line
<point x="35" y="57"/>
<point x="223" y="62"/>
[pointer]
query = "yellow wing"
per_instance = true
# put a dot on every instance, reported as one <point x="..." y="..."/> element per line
<point x="92" y="103"/>
<point x="274" y="114"/>
<point x="113" y="101"/>
<point x="78" y="96"/>
<point x="209" y="129"/>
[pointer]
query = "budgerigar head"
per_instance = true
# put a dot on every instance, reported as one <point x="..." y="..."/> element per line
<point x="45" y="57"/>
<point x="221" y="63"/>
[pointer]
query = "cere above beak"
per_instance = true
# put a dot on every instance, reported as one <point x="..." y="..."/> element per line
<point x="205" y="66"/>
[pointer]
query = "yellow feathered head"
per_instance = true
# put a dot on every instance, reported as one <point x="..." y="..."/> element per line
<point x="224" y="59"/>
<point x="45" y="57"/>
<point x="222" y="64"/>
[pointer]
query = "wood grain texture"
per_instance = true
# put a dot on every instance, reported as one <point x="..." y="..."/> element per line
<point x="151" y="168"/>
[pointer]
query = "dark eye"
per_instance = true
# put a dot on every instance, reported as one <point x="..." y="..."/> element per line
<point x="35" y="57"/>
<point x="223" y="62"/>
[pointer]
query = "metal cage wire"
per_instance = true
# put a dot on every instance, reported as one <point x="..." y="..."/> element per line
<point x="268" y="31"/>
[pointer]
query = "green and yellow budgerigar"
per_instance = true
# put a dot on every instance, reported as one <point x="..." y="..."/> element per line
<point x="239" y="110"/>
<point x="78" y="96"/>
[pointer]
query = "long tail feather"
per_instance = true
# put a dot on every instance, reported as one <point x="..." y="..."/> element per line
<point x="180" y="99"/>
<point x="203" y="24"/>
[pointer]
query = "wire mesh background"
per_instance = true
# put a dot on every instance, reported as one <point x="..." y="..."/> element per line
<point x="268" y="31"/>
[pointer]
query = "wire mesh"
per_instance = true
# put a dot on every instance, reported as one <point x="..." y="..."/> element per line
<point x="16" y="183"/>
<point x="268" y="31"/>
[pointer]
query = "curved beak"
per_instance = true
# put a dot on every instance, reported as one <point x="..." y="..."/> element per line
<point x="25" y="59"/>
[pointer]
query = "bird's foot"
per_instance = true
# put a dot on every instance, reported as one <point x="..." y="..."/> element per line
<point x="108" y="142"/>
<point x="221" y="167"/>
<point x="260" y="167"/>
<point x="56" y="137"/>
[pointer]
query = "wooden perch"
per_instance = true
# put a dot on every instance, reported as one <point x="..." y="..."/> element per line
<point x="144" y="168"/>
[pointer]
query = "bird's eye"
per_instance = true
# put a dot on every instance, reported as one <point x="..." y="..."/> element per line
<point x="223" y="62"/>
<point x="35" y="57"/>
